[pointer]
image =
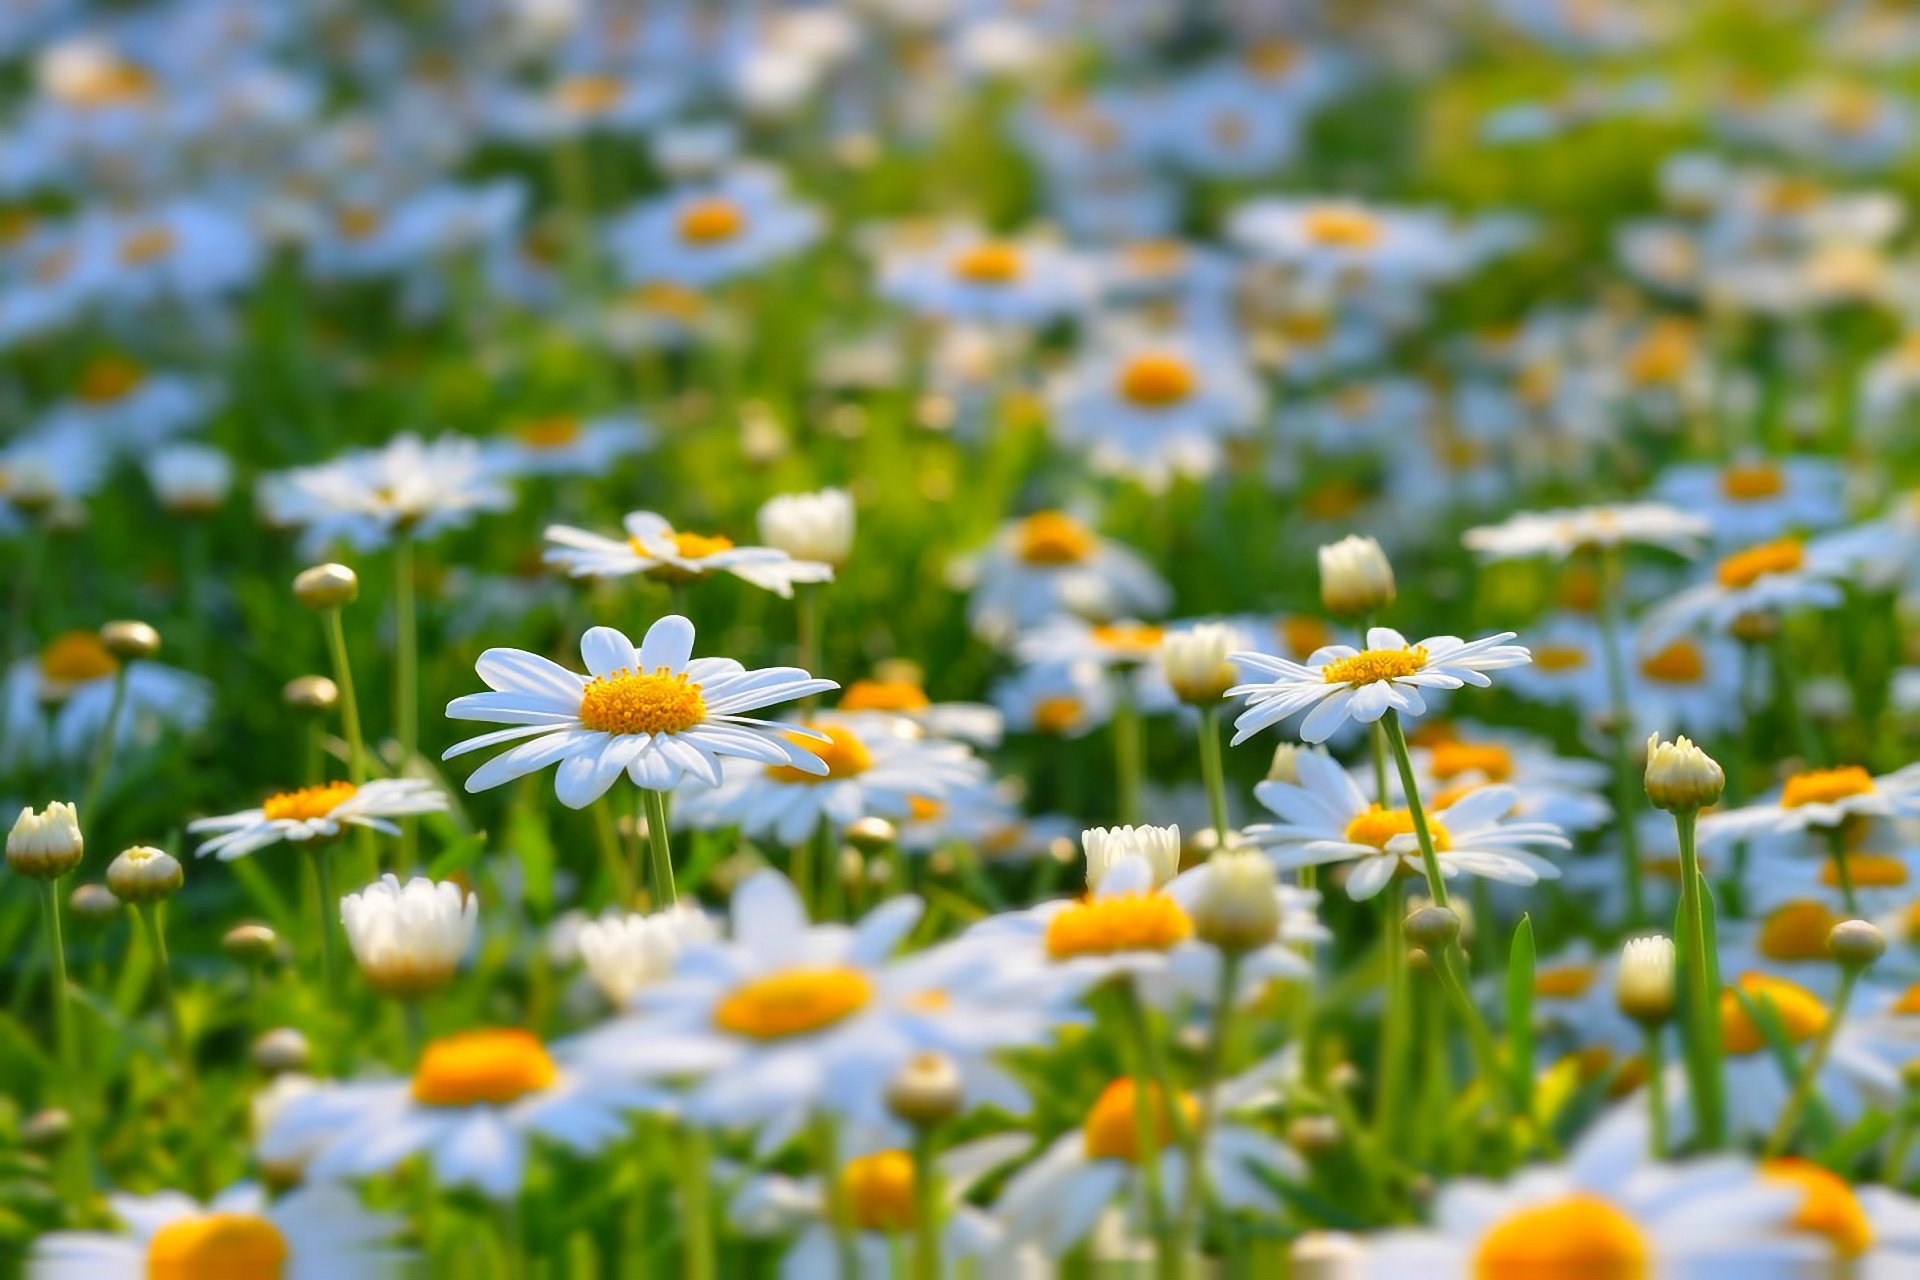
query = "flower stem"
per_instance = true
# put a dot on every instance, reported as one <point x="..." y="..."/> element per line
<point x="75" y="1159"/>
<point x="1213" y="769"/>
<point x="1193" y="1196"/>
<point x="1149" y="1089"/>
<point x="1627" y="789"/>
<point x="1129" y="754"/>
<point x="1703" y="969"/>
<point x="1842" y="869"/>
<point x="103" y="749"/>
<point x="826" y="1159"/>
<point x="1656" y="1058"/>
<point x="658" y="839"/>
<point x="1397" y="739"/>
<point x="696" y="1194"/>
<point x="349" y="705"/>
<point x="1393" y="1022"/>
<point x="406" y="681"/>
<point x="926" y="1205"/>
<point x="326" y="907"/>
<point x="1816" y="1060"/>
<point x="149" y="914"/>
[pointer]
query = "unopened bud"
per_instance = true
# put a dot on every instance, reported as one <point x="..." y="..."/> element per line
<point x="326" y="586"/>
<point x="46" y="1129"/>
<point x="1856" y="943"/>
<point x="128" y="638"/>
<point x="47" y="845"/>
<point x="92" y="904"/>
<point x="1432" y="927"/>
<point x="145" y="874"/>
<point x="311" y="693"/>
<point x="1356" y="577"/>
<point x="1313" y="1135"/>
<point x="281" y="1050"/>
<point x="1286" y="763"/>
<point x="927" y="1091"/>
<point x="1238" y="906"/>
<point x="1681" y="777"/>
<point x="1644" y="987"/>
<point x="870" y="835"/>
<point x="1195" y="662"/>
<point x="250" y="943"/>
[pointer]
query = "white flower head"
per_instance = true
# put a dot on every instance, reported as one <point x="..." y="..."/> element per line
<point x="810" y="526"/>
<point x="1197" y="661"/>
<point x="653" y="547"/>
<point x="1356" y="577"/>
<point x="313" y="814"/>
<point x="1644" y="986"/>
<point x="1159" y="847"/>
<point x="46" y="845"/>
<point x="625" y="953"/>
<point x="409" y="939"/>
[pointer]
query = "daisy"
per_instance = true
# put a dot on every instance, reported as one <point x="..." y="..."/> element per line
<point x="474" y="1105"/>
<point x="1561" y="533"/>
<point x="706" y="234"/>
<point x="654" y="548"/>
<point x="1050" y="563"/>
<point x="1561" y="791"/>
<point x="1821" y="800"/>
<point x="58" y="703"/>
<point x="130" y="408"/>
<point x="368" y="497"/>
<point x="872" y="765"/>
<point x="1768" y="579"/>
<point x="316" y="1233"/>
<point x="1060" y="700"/>
<point x="1153" y="409"/>
<point x="564" y="445"/>
<point x="655" y="713"/>
<point x="317" y="814"/>
<point x="1341" y="683"/>
<point x="968" y="277"/>
<point x="1757" y="498"/>
<point x="897" y="690"/>
<point x="1330" y="239"/>
<point x="1326" y="819"/>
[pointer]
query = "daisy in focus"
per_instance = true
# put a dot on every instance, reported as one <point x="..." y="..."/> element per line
<point x="654" y="548"/>
<point x="317" y="813"/>
<point x="654" y="712"/>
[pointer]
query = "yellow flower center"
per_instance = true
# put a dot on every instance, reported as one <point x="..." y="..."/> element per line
<point x="1451" y="759"/>
<point x="493" y="1066"/>
<point x="217" y="1246"/>
<point x="117" y="85"/>
<point x="1375" y="665"/>
<point x="1744" y="568"/>
<point x="1681" y="662"/>
<point x="1123" y="922"/>
<point x="588" y="95"/>
<point x="1578" y="1237"/>
<point x="843" y="753"/>
<point x="307" y="803"/>
<point x="1867" y="871"/>
<point x="1378" y="827"/>
<point x="1271" y="59"/>
<point x="1342" y="228"/>
<point x="1059" y="714"/>
<point x="711" y="221"/>
<point x="994" y="262"/>
<point x="77" y="657"/>
<point x="1796" y="931"/>
<point x="1302" y="635"/>
<point x="357" y="222"/>
<point x="1799" y="1011"/>
<point x="1052" y="537"/>
<point x="1829" y="1209"/>
<point x="1825" y="786"/>
<point x="924" y="809"/>
<point x="633" y="702"/>
<point x="1113" y="1125"/>
<point x="1135" y="639"/>
<point x="1909" y="1001"/>
<point x="1662" y="355"/>
<point x="148" y="245"/>
<point x="1559" y="657"/>
<point x="1568" y="982"/>
<point x="884" y="695"/>
<point x="1156" y="381"/>
<point x="548" y="433"/>
<point x="109" y="378"/>
<point x="793" y="1003"/>
<point x="1753" y="482"/>
<point x="878" y="1191"/>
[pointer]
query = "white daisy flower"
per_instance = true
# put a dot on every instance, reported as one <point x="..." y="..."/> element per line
<point x="900" y="693"/>
<point x="1153" y="409"/>
<point x="318" y="813"/>
<point x="365" y="497"/>
<point x="563" y="445"/>
<point x="408" y="940"/>
<point x="707" y="233"/>
<point x="1330" y="240"/>
<point x="473" y="1107"/>
<point x="1341" y="683"/>
<point x="1757" y="498"/>
<point x="626" y="953"/>
<point x="57" y="703"/>
<point x="1326" y="818"/>
<point x="316" y="1233"/>
<point x="1058" y="699"/>
<point x="1821" y="799"/>
<point x="971" y="278"/>
<point x="1560" y="533"/>
<point x="656" y="713"/>
<point x="654" y="548"/>
<point x="1768" y="579"/>
<point x="1050" y="563"/>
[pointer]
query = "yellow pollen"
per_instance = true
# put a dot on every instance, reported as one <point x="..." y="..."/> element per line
<point x="1744" y="568"/>
<point x="357" y="222"/>
<point x="1662" y="355"/>
<point x="1157" y="381"/>
<point x="1578" y="1237"/>
<point x="217" y="1246"/>
<point x="711" y="221"/>
<point x="1867" y="871"/>
<point x="1567" y="982"/>
<point x="1909" y="1001"/>
<point x="1342" y="228"/>
<point x="793" y="1003"/>
<point x="1123" y="922"/>
<point x="1799" y="1011"/>
<point x="307" y="803"/>
<point x="698" y="546"/>
<point x="1057" y="715"/>
<point x="878" y="1191"/>
<point x="633" y="702"/>
<point x="1825" y="786"/>
<point x="1138" y="639"/>
<point x="1113" y="1129"/>
<point x="1451" y="759"/>
<point x="77" y="657"/>
<point x="923" y="809"/>
<point x="1052" y="537"/>
<point x="843" y="753"/>
<point x="1378" y="827"/>
<point x="1796" y="931"/>
<point x="150" y="245"/>
<point x="1375" y="665"/>
<point x="494" y="1066"/>
<point x="1753" y="482"/>
<point x="884" y="695"/>
<point x="1560" y="657"/>
<point x="588" y="95"/>
<point x="995" y="262"/>
<point x="1681" y="662"/>
<point x="1830" y="1208"/>
<point x="548" y="433"/>
<point x="109" y="378"/>
<point x="1302" y="635"/>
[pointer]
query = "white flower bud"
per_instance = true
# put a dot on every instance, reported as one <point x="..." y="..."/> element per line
<point x="1680" y="776"/>
<point x="145" y="874"/>
<point x="623" y="954"/>
<point x="810" y="526"/>
<point x="408" y="940"/>
<point x="1355" y="577"/>
<point x="45" y="846"/>
<point x="326" y="586"/>
<point x="927" y="1091"/>
<point x="1105" y="846"/>
<point x="1195" y="661"/>
<point x="1644" y="987"/>
<point x="1238" y="906"/>
<point x="1856" y="943"/>
<point x="190" y="479"/>
<point x="1286" y="763"/>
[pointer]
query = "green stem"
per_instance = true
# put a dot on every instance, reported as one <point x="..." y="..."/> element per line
<point x="1213" y="770"/>
<point x="1193" y="1196"/>
<point x="149" y="914"/>
<point x="697" y="1201"/>
<point x="1703" y="1009"/>
<point x="1626" y="779"/>
<point x="326" y="907"/>
<point x="658" y="839"/>
<point x="336" y="632"/>
<point x="826" y="1160"/>
<point x="620" y="874"/>
<point x="406" y="681"/>
<point x="103" y="749"/>
<point x="1842" y="868"/>
<point x="1149" y="1088"/>
<point x="1656" y="1056"/>
<point x="926" y="1205"/>
<point x="634" y="1233"/>
<point x="76" y="1160"/>
<point x="1810" y="1070"/>
<point x="1397" y="739"/>
<point x="1129" y="755"/>
<point x="1393" y="1023"/>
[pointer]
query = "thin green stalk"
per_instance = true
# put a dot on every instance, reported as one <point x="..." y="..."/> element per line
<point x="697" y="1203"/>
<point x="1393" y="1023"/>
<point x="75" y="1158"/>
<point x="1817" y="1059"/>
<point x="1842" y="868"/>
<point x="1397" y="739"/>
<point x="1783" y="665"/>
<point x="926" y="1205"/>
<point x="1213" y="770"/>
<point x="149" y="914"/>
<point x="1893" y="1168"/>
<point x="620" y="873"/>
<point x="406" y="682"/>
<point x="336" y="633"/>
<point x="658" y="838"/>
<point x="414" y="1018"/>
<point x="1129" y="756"/>
<point x="1626" y="778"/>
<point x="1656" y="1056"/>
<point x="826" y="1159"/>
<point x="326" y="907"/>
<point x="826" y="864"/>
<point x="808" y="610"/>
<point x="1193" y="1196"/>
<point x="1149" y="1088"/>
<point x="103" y="749"/>
<point x="1703" y="1010"/>
<point x="634" y="1225"/>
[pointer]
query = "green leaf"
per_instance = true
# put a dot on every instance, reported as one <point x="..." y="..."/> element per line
<point x="456" y="854"/>
<point x="1845" y="1151"/>
<point x="1520" y="980"/>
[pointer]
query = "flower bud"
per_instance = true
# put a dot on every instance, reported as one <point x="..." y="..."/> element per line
<point x="46" y="1129"/>
<point x="870" y="835"/>
<point x="190" y="479"/>
<point x="1644" y="987"/>
<point x="281" y="1050"/>
<point x="311" y="693"/>
<point x="45" y="846"/>
<point x="810" y="526"/>
<point x="1681" y="777"/>
<point x="92" y="904"/>
<point x="1195" y="662"/>
<point x="927" y="1091"/>
<point x="130" y="638"/>
<point x="1105" y="846"/>
<point x="625" y="954"/>
<point x="1286" y="763"/>
<point x="1856" y="943"/>
<point x="1432" y="928"/>
<point x="1314" y="1135"/>
<point x="409" y="939"/>
<point x="1238" y="906"/>
<point x="326" y="586"/>
<point x="250" y="944"/>
<point x="1355" y="577"/>
<point x="1328" y="1255"/>
<point x="145" y="874"/>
